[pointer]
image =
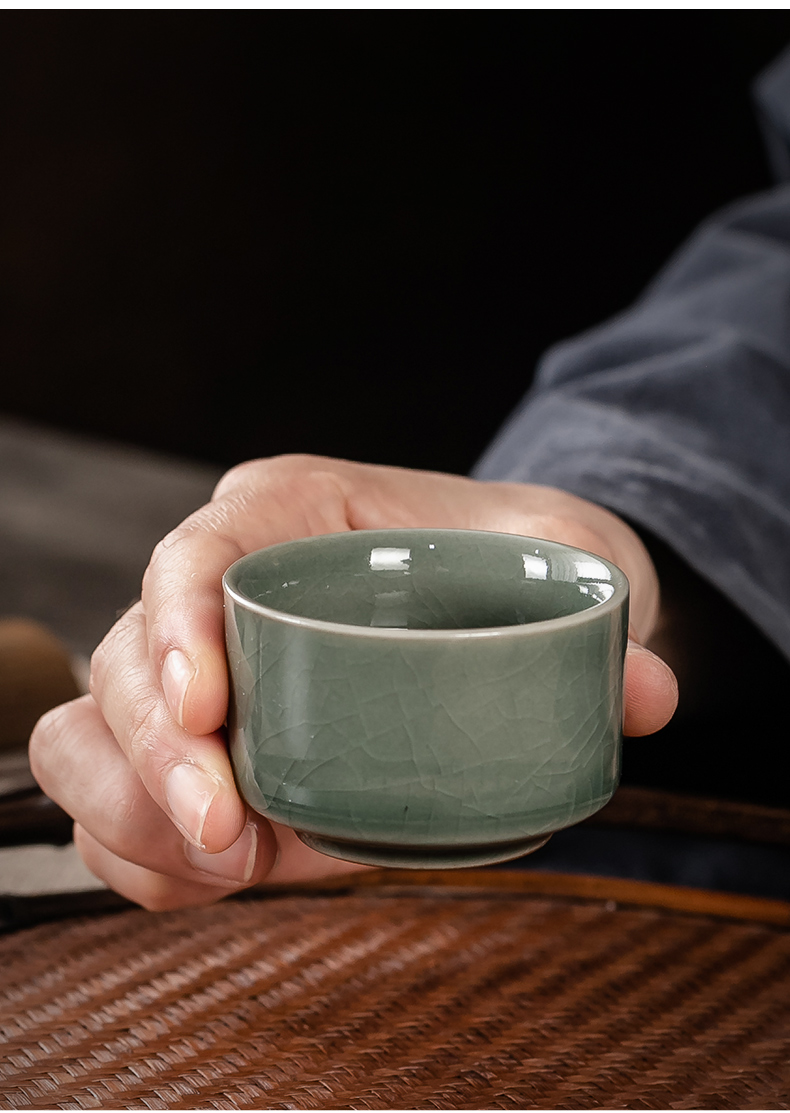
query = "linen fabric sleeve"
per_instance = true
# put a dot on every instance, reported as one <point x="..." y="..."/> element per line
<point x="676" y="413"/>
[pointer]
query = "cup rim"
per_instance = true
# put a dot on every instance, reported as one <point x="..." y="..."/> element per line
<point x="618" y="598"/>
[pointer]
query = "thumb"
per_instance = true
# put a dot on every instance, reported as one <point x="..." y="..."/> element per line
<point x="651" y="691"/>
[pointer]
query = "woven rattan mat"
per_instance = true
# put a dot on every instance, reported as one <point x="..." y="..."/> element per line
<point x="469" y="993"/>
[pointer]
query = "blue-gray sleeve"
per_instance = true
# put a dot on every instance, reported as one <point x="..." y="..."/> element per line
<point x="676" y="414"/>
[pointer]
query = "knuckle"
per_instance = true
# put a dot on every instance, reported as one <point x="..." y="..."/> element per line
<point x="239" y="475"/>
<point x="167" y="554"/>
<point x="120" y="817"/>
<point x="98" y="669"/>
<point x="162" y="551"/>
<point x="43" y="740"/>
<point x="166" y="550"/>
<point x="251" y="473"/>
<point x="176" y="552"/>
<point x="293" y="463"/>
<point x="310" y="491"/>
<point x="145" y="728"/>
<point x="54" y="740"/>
<point x="269" y="471"/>
<point x="312" y="483"/>
<point x="117" y="644"/>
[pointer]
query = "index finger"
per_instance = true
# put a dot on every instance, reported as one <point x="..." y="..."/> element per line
<point x="182" y="587"/>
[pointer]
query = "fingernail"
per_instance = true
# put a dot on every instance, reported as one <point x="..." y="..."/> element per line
<point x="177" y="673"/>
<point x="235" y="865"/>
<point x="189" y="791"/>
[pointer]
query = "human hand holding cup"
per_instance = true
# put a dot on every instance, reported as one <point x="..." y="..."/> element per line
<point x="142" y="763"/>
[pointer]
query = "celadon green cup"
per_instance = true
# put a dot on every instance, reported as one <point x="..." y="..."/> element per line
<point x="425" y="697"/>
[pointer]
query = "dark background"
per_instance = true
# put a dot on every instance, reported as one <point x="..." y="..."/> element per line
<point x="228" y="234"/>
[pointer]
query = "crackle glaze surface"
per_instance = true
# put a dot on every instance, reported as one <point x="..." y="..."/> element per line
<point x="433" y="695"/>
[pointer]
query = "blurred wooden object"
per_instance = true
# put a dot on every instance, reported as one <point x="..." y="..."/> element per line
<point x="35" y="675"/>
<point x="462" y="990"/>
<point x="655" y="809"/>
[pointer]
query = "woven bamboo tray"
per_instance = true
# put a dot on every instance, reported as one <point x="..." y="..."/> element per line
<point x="470" y="990"/>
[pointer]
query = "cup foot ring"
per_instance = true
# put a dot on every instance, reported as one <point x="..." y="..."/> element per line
<point x="422" y="857"/>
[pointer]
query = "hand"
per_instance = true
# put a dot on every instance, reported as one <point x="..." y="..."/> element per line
<point x="141" y="764"/>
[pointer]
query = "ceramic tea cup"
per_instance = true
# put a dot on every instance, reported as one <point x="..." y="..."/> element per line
<point x="425" y="697"/>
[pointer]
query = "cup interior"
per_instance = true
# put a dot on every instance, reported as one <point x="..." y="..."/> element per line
<point x="423" y="579"/>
